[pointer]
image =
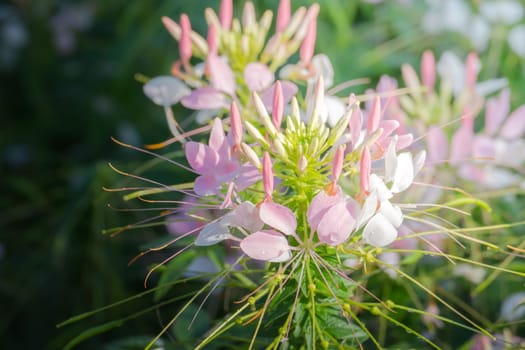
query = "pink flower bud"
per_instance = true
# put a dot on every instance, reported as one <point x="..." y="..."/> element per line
<point x="226" y="13"/>
<point x="283" y="16"/>
<point x="365" y="166"/>
<point x="428" y="70"/>
<point x="267" y="177"/>
<point x="472" y="69"/>
<point x="236" y="125"/>
<point x="212" y="40"/>
<point x="185" y="39"/>
<point x="307" y="48"/>
<point x="374" y="116"/>
<point x="337" y="167"/>
<point x="277" y="109"/>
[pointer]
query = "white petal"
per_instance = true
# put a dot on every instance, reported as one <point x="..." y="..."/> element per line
<point x="377" y="185"/>
<point x="419" y="161"/>
<point x="404" y="173"/>
<point x="516" y="40"/>
<point x="392" y="212"/>
<point x="165" y="90"/>
<point x="369" y="209"/>
<point x="513" y="307"/>
<point x="391" y="160"/>
<point x="213" y="233"/>
<point x="379" y="232"/>
<point x="502" y="11"/>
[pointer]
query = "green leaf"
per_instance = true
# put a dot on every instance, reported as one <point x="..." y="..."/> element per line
<point x="333" y="323"/>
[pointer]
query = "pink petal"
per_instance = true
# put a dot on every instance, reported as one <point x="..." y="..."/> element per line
<point x="496" y="111"/>
<point x="245" y="215"/>
<point x="336" y="225"/>
<point x="461" y="146"/>
<point x="258" y="76"/>
<point x="514" y="126"/>
<point x="320" y="205"/>
<point x="279" y="217"/>
<point x="246" y="176"/>
<point x="484" y="147"/>
<point x="201" y="158"/>
<point x="388" y="126"/>
<point x="437" y="144"/>
<point x="379" y="232"/>
<point x="206" y="185"/>
<point x="221" y="75"/>
<point x="205" y="98"/>
<point x="403" y="141"/>
<point x="218" y="142"/>
<point x="265" y="245"/>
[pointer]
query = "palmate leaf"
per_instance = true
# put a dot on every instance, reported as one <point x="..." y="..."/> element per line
<point x="332" y="322"/>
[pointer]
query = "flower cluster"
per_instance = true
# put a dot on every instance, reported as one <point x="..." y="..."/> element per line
<point x="316" y="189"/>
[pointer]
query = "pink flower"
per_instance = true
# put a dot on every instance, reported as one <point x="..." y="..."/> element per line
<point x="216" y="165"/>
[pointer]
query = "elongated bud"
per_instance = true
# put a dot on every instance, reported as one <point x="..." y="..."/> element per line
<point x="283" y="16"/>
<point x="172" y="27"/>
<point x="251" y="155"/>
<point x="236" y="124"/>
<point x="226" y="14"/>
<point x="365" y="166"/>
<point x="263" y="114"/>
<point x="212" y="40"/>
<point x="315" y="119"/>
<point x="375" y="116"/>
<point x="267" y="177"/>
<point x="302" y="163"/>
<point x="256" y="134"/>
<point x="248" y="14"/>
<point x="279" y="148"/>
<point x="185" y="40"/>
<point x="472" y="69"/>
<point x="410" y="78"/>
<point x="307" y="47"/>
<point x="355" y="123"/>
<point x="428" y="70"/>
<point x="277" y="109"/>
<point x="337" y="167"/>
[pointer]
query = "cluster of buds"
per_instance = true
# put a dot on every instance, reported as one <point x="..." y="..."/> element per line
<point x="236" y="59"/>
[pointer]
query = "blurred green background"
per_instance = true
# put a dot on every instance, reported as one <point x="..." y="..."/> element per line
<point x="67" y="85"/>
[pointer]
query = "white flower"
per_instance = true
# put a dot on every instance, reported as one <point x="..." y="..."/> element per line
<point x="502" y="11"/>
<point x="513" y="307"/>
<point x="516" y="40"/>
